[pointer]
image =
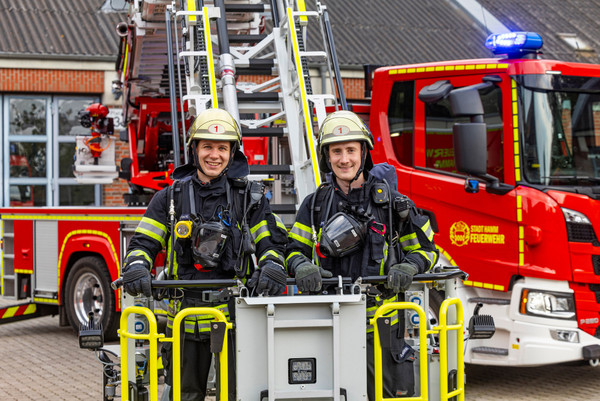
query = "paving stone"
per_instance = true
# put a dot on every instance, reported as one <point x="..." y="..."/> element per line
<point x="42" y="361"/>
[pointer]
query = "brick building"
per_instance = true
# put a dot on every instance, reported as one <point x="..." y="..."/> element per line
<point x="56" y="58"/>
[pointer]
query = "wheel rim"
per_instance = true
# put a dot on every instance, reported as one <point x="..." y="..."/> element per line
<point x="432" y="316"/>
<point x="88" y="296"/>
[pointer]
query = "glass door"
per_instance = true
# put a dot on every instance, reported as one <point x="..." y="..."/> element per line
<point x="66" y="191"/>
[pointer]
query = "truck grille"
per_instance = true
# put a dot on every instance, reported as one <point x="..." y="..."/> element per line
<point x="595" y="288"/>
<point x="596" y="264"/>
<point x="581" y="233"/>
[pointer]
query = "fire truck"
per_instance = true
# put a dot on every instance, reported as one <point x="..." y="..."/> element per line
<point x="504" y="156"/>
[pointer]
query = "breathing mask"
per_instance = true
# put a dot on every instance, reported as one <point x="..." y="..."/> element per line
<point x="208" y="242"/>
<point x="342" y="235"/>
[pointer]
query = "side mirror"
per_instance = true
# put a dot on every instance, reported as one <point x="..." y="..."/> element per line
<point x="470" y="148"/>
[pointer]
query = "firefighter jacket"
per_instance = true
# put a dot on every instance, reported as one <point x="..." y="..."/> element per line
<point x="413" y="235"/>
<point x="212" y="203"/>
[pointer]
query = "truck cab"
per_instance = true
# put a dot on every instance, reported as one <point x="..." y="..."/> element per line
<point x="503" y="154"/>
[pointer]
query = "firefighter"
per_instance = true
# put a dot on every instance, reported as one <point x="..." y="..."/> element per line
<point x="358" y="225"/>
<point x="221" y="218"/>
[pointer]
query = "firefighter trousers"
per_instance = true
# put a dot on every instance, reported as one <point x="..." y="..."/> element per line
<point x="398" y="364"/>
<point x="195" y="367"/>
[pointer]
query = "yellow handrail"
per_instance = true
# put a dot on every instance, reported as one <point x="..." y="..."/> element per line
<point x="381" y="311"/>
<point x="152" y="337"/>
<point x="443" y="329"/>
<point x="223" y="355"/>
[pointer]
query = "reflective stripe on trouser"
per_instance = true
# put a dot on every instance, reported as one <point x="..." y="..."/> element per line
<point x="191" y="322"/>
<point x="372" y="309"/>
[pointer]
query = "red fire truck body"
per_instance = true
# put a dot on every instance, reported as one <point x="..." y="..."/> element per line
<point x="64" y="259"/>
<point x="526" y="228"/>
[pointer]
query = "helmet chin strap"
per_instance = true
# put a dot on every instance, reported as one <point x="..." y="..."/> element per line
<point x="197" y="162"/>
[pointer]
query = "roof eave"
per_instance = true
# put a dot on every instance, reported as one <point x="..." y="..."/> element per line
<point x="64" y="57"/>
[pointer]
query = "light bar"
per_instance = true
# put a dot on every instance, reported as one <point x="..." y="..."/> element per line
<point x="514" y="42"/>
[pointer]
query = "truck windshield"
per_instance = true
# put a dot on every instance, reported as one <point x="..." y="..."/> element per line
<point x="560" y="129"/>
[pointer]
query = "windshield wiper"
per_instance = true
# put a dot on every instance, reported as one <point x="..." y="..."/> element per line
<point x="576" y="179"/>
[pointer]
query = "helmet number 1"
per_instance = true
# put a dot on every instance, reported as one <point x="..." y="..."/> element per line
<point x="341" y="130"/>
<point x="216" y="129"/>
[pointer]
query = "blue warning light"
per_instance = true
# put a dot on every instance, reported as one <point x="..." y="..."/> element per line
<point x="514" y="43"/>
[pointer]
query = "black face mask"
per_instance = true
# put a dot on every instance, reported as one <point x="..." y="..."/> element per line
<point x="342" y="235"/>
<point x="208" y="242"/>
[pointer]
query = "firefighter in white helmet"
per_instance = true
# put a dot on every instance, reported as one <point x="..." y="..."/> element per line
<point x="357" y="225"/>
<point x="221" y="219"/>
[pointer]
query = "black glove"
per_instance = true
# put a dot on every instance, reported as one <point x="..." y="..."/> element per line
<point x="400" y="277"/>
<point x="269" y="279"/>
<point x="137" y="279"/>
<point x="308" y="276"/>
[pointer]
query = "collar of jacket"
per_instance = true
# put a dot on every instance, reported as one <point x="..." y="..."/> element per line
<point x="356" y="194"/>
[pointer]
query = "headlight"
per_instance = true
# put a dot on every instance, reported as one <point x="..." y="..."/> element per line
<point x="569" y="336"/>
<point x="556" y="305"/>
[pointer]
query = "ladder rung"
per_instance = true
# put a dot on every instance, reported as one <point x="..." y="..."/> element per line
<point x="254" y="71"/>
<point x="258" y="96"/>
<point x="245" y="8"/>
<point x="257" y="64"/>
<point x="246" y="38"/>
<point x="193" y="53"/>
<point x="313" y="54"/>
<point x="262" y="132"/>
<point x="274" y="169"/>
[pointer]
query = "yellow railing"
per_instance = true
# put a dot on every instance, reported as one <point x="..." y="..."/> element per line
<point x="153" y="337"/>
<point x="442" y="329"/>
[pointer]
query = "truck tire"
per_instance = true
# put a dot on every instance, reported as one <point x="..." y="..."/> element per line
<point x="433" y="314"/>
<point x="88" y="289"/>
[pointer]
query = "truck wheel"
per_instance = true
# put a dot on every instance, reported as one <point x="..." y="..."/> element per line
<point x="88" y="289"/>
<point x="433" y="314"/>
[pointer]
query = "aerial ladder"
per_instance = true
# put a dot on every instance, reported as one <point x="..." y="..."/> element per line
<point x="275" y="104"/>
<point x="252" y="59"/>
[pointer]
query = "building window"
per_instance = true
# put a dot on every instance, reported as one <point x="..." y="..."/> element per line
<point x="38" y="137"/>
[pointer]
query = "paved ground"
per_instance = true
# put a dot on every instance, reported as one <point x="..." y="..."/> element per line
<point x="41" y="361"/>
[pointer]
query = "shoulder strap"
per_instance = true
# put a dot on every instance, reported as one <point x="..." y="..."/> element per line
<point x="323" y="197"/>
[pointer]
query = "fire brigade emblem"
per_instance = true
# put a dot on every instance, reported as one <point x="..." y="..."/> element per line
<point x="216" y="129"/>
<point x="341" y="130"/>
<point x="459" y="233"/>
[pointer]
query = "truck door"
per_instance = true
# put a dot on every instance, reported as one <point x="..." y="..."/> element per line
<point x="475" y="230"/>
